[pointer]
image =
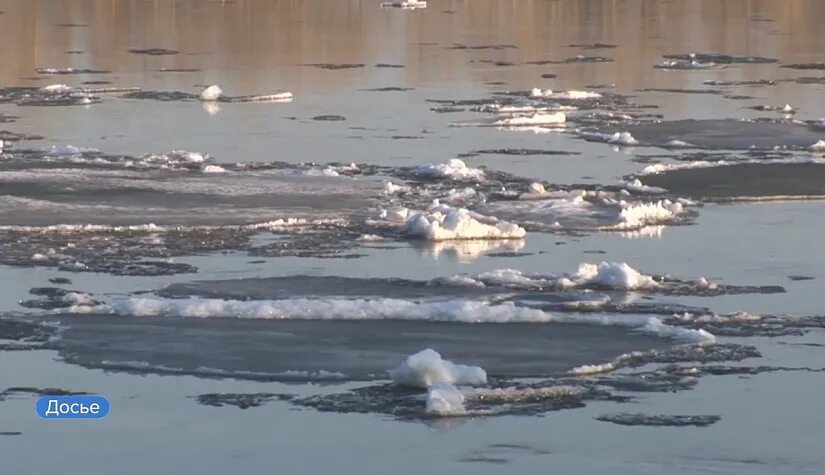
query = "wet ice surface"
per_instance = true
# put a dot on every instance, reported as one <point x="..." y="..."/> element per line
<point x="271" y="275"/>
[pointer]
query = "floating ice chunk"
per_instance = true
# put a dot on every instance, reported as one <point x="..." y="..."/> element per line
<point x="642" y="214"/>
<point x="405" y="4"/>
<point x="611" y="275"/>
<point x="68" y="150"/>
<point x="538" y="118"/>
<point x="637" y="186"/>
<point x="593" y="369"/>
<point x="819" y="146"/>
<point x="788" y="109"/>
<point x="444" y="399"/>
<point x="679" y="144"/>
<point x="57" y="89"/>
<point x="537" y="188"/>
<point x="570" y="95"/>
<point x="391" y="188"/>
<point x="454" y="169"/>
<point x="2" y="144"/>
<point x="461" y="195"/>
<point x="211" y="93"/>
<point x="622" y="138"/>
<point x="394" y="214"/>
<point x="213" y="169"/>
<point x="656" y="327"/>
<point x="371" y="238"/>
<point x="458" y="223"/>
<point x="576" y="95"/>
<point x="426" y="368"/>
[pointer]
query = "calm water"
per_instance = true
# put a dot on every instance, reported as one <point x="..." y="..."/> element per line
<point x="345" y="291"/>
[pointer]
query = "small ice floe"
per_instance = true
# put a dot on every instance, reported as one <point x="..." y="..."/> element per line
<point x="587" y="369"/>
<point x="610" y="275"/>
<point x="391" y="188"/>
<point x="688" y="65"/>
<point x="405" y="4"/>
<point x="212" y="93"/>
<point x="539" y="118"/>
<point x="788" y="109"/>
<point x="213" y="169"/>
<point x="637" y="186"/>
<point x="819" y="146"/>
<point x="57" y="89"/>
<point x="639" y="215"/>
<point x="617" y="138"/>
<point x="570" y="95"/>
<point x="454" y="169"/>
<point x="675" y="143"/>
<point x="622" y="138"/>
<point x="425" y="368"/>
<point x="443" y="223"/>
<point x="657" y="327"/>
<point x="2" y="144"/>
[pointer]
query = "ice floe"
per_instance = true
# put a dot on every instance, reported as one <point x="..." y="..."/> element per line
<point x="443" y="223"/>
<point x="212" y="93"/>
<point x="425" y="368"/>
<point x="405" y="4"/>
<point x="466" y="311"/>
<point x="454" y="169"/>
<point x="570" y="95"/>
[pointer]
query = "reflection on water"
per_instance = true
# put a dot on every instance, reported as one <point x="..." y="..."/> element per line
<point x="267" y="40"/>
